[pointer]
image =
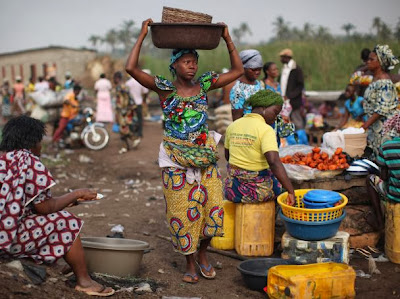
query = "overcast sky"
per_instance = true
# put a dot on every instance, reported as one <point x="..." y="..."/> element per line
<point x="32" y="24"/>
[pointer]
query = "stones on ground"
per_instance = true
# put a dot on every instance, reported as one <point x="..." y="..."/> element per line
<point x="17" y="265"/>
<point x="143" y="287"/>
<point x="161" y="271"/>
<point x="218" y="265"/>
<point x="85" y="159"/>
<point x="146" y="233"/>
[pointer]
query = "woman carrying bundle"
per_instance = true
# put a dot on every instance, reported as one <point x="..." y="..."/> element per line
<point x="188" y="154"/>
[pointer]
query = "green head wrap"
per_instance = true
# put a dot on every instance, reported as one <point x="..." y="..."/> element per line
<point x="265" y="98"/>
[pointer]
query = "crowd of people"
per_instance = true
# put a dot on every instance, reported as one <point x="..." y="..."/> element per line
<point x="264" y="111"/>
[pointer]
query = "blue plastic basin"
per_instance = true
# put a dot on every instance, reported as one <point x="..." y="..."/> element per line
<point x="316" y="205"/>
<point x="310" y="230"/>
<point x="320" y="199"/>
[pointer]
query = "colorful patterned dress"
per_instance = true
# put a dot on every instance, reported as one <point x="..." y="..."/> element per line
<point x="125" y="108"/>
<point x="380" y="97"/>
<point x="25" y="181"/>
<point x="194" y="209"/>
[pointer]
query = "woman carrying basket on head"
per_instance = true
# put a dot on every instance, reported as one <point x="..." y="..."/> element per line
<point x="188" y="153"/>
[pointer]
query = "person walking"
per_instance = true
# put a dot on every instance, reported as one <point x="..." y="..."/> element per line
<point x="292" y="86"/>
<point x="104" y="111"/>
<point x="192" y="184"/>
<point x="139" y="94"/>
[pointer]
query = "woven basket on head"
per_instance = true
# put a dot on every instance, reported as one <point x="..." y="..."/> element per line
<point x="176" y="15"/>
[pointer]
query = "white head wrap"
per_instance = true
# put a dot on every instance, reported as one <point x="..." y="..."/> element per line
<point x="251" y="59"/>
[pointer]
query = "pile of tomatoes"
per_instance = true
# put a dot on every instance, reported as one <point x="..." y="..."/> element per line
<point x="318" y="159"/>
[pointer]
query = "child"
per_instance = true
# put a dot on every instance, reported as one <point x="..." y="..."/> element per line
<point x="354" y="113"/>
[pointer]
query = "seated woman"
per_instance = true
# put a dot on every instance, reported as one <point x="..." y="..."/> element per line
<point x="252" y="152"/>
<point x="34" y="224"/>
<point x="354" y="115"/>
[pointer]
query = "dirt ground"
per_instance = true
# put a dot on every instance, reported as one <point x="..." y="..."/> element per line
<point x="133" y="198"/>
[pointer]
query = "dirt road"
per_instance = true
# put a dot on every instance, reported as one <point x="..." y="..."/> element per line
<point x="133" y="198"/>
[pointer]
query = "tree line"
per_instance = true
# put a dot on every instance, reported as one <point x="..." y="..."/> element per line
<point x="120" y="40"/>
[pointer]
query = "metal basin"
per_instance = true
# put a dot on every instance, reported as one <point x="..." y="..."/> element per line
<point x="186" y="35"/>
<point x="120" y="257"/>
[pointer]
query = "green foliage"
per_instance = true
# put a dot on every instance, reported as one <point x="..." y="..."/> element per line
<point x="326" y="66"/>
<point x="265" y="98"/>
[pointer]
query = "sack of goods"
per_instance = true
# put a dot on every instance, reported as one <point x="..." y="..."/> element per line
<point x="223" y="118"/>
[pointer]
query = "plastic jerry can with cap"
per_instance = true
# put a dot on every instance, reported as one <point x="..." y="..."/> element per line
<point x="392" y="232"/>
<point x="326" y="280"/>
<point x="227" y="241"/>
<point x="255" y="228"/>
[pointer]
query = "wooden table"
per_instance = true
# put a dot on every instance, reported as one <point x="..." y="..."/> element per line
<point x="315" y="133"/>
<point x="336" y="183"/>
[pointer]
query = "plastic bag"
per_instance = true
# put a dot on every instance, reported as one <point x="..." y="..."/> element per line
<point x="303" y="172"/>
<point x="333" y="140"/>
<point x="46" y="98"/>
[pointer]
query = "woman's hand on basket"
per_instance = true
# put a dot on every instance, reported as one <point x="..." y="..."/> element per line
<point x="290" y="200"/>
<point x="145" y="26"/>
<point x="225" y="33"/>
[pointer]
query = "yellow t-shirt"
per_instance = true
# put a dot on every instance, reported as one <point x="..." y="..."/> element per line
<point x="247" y="139"/>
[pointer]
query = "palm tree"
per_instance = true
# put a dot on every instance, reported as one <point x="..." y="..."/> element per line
<point x="308" y="30"/>
<point x="281" y="28"/>
<point x="397" y="30"/>
<point x="377" y="24"/>
<point x="241" y="31"/>
<point x="111" y="38"/>
<point x="127" y="34"/>
<point x="94" y="39"/>
<point x="347" y="28"/>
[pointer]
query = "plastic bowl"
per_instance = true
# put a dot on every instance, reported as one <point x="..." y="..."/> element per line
<point x="186" y="35"/>
<point x="316" y="205"/>
<point x="255" y="271"/>
<point x="312" y="230"/>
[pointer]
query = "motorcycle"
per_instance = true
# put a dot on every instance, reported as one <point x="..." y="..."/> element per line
<point x="92" y="134"/>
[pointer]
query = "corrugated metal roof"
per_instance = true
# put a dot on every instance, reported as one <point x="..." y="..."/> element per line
<point x="45" y="48"/>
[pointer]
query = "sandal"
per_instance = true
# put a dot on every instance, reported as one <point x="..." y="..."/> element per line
<point x="207" y="269"/>
<point x="190" y="278"/>
<point x="103" y="292"/>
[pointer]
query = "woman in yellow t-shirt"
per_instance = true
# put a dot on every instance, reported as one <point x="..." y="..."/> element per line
<point x="252" y="152"/>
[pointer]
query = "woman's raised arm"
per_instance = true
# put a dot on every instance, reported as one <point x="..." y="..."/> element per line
<point x="236" y="64"/>
<point x="132" y="65"/>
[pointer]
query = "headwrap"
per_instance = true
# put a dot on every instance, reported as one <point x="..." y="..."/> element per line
<point x="265" y="98"/>
<point x="178" y="53"/>
<point x="392" y="123"/>
<point x="385" y="56"/>
<point x="251" y="59"/>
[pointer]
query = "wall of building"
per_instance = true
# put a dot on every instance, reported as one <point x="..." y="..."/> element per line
<point x="47" y="62"/>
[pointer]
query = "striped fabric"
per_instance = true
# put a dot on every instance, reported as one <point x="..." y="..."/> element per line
<point x="389" y="156"/>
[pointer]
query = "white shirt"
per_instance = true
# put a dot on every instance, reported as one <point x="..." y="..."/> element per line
<point x="41" y="86"/>
<point x="285" y="75"/>
<point x="136" y="90"/>
<point x="102" y="85"/>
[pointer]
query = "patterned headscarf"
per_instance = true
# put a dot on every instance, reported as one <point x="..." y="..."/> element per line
<point x="392" y="123"/>
<point x="178" y="53"/>
<point x="385" y="56"/>
<point x="251" y="59"/>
